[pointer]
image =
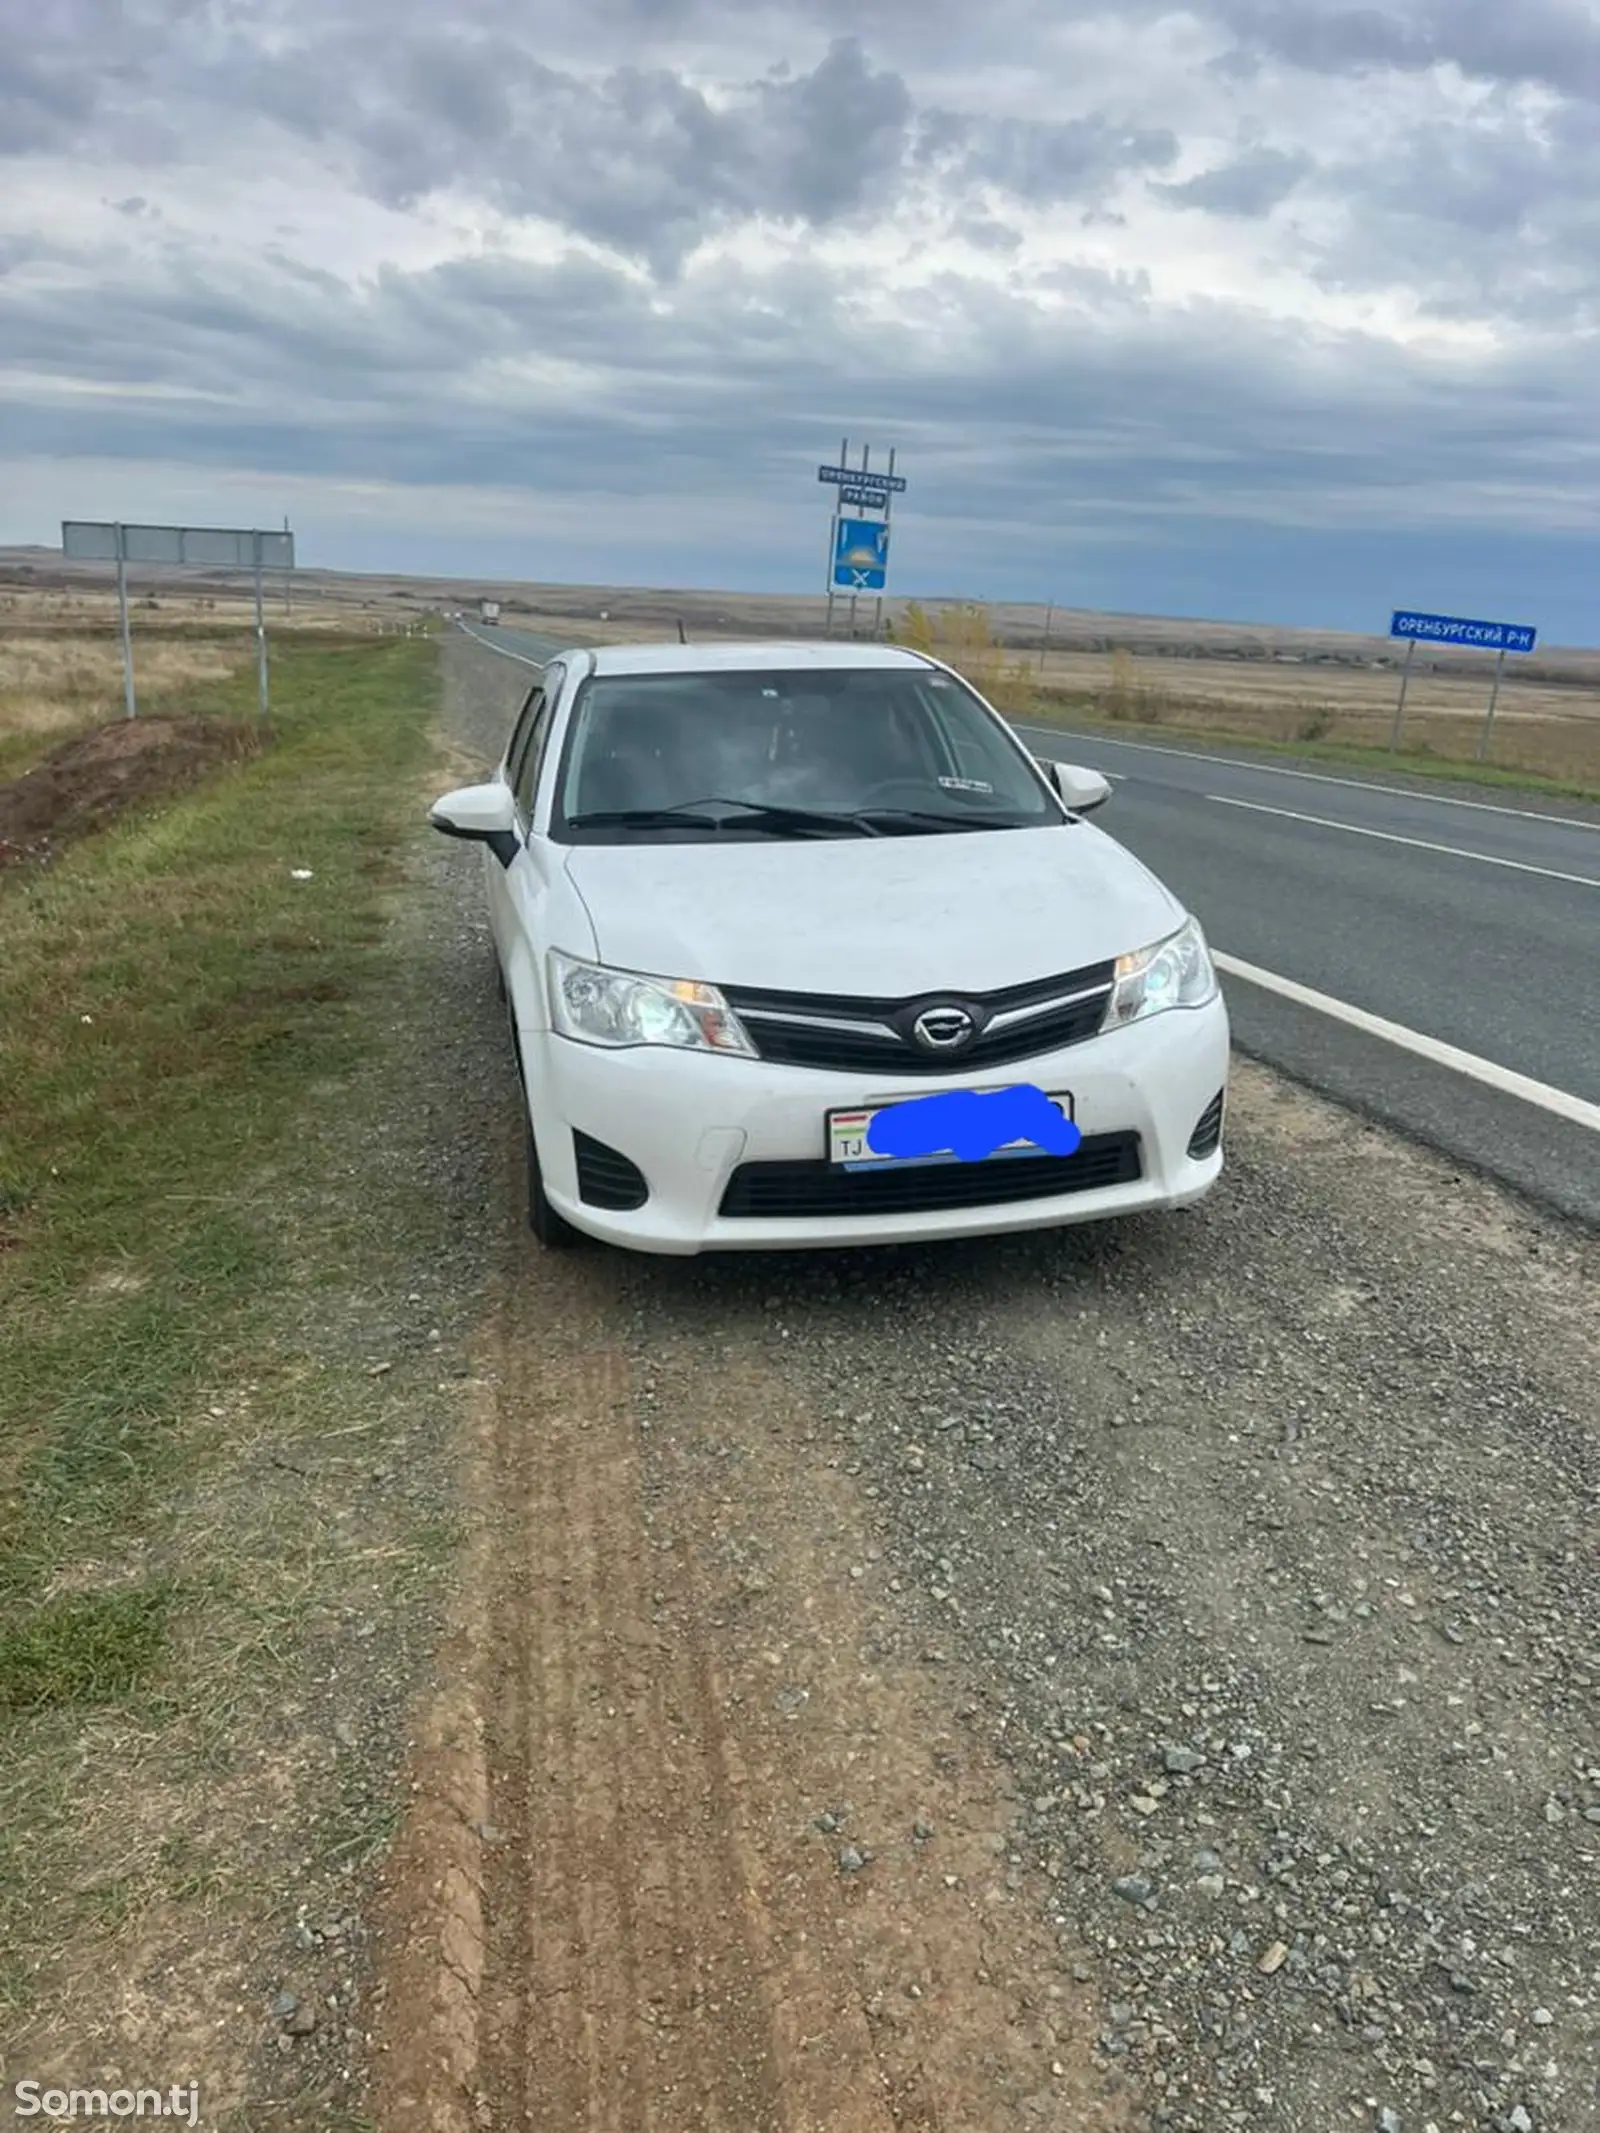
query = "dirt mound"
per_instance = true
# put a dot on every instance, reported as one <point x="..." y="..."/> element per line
<point x="90" y="780"/>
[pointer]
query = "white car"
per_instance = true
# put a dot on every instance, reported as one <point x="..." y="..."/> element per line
<point x="752" y="903"/>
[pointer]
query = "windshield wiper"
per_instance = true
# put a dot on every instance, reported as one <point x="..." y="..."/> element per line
<point x="643" y="818"/>
<point x="755" y="815"/>
<point x="923" y="818"/>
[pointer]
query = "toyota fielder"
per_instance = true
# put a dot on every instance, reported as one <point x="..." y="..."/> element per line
<point x="752" y="904"/>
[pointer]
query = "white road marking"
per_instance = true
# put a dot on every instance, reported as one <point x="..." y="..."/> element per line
<point x="1558" y="1101"/>
<point x="1323" y="777"/>
<point x="1421" y="844"/>
<point x="504" y="651"/>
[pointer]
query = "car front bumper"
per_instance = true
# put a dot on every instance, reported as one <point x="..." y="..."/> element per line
<point x="689" y="1121"/>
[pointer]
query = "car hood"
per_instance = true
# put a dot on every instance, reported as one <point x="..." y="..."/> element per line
<point x="883" y="917"/>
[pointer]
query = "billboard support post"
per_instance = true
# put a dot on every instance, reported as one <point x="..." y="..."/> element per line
<point x="833" y="533"/>
<point x="1494" y="698"/>
<point x="866" y="462"/>
<point x="888" y="506"/>
<point x="261" y="637"/>
<point x="128" y="692"/>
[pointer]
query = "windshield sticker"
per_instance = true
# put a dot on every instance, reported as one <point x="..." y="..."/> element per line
<point x="965" y="785"/>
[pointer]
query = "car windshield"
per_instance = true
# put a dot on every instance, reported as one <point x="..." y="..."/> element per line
<point x="841" y="751"/>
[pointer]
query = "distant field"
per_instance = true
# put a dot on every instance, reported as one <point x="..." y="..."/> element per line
<point x="1283" y="686"/>
<point x="1546" y="729"/>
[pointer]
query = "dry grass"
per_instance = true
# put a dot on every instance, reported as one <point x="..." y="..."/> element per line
<point x="55" y="684"/>
<point x="164" y="613"/>
<point x="1541" y="733"/>
<point x="61" y="652"/>
<point x="963" y="637"/>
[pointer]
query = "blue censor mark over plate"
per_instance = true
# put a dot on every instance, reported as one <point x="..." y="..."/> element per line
<point x="860" y="555"/>
<point x="972" y="1124"/>
<point x="1461" y="629"/>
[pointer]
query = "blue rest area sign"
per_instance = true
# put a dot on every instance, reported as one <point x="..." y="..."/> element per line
<point x="1459" y="629"/>
<point x="860" y="555"/>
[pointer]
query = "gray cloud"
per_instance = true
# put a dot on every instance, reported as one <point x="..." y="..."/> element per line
<point x="1553" y="42"/>
<point x="42" y="103"/>
<point x="646" y="163"/>
<point x="1041" y="161"/>
<point x="1252" y="185"/>
<point x="1114" y="412"/>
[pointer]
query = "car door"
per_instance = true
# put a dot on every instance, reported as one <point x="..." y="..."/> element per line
<point x="524" y="738"/>
<point x="519" y="896"/>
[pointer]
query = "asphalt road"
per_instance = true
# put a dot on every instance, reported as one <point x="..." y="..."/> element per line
<point x="1470" y="924"/>
<point x="1460" y="922"/>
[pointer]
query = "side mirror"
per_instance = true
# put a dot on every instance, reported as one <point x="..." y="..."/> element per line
<point x="1082" y="790"/>
<point x="482" y="814"/>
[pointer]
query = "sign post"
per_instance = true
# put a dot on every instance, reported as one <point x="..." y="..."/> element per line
<point x="129" y="695"/>
<point x="1501" y="637"/>
<point x="228" y="547"/>
<point x="858" y="549"/>
<point x="1405" y="683"/>
<point x="1494" y="698"/>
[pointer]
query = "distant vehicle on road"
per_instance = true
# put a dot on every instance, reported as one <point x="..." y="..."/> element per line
<point x="488" y="610"/>
<point x="752" y="904"/>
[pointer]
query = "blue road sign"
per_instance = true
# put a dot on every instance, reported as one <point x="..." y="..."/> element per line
<point x="859" y="478"/>
<point x="1457" y="629"/>
<point x="860" y="555"/>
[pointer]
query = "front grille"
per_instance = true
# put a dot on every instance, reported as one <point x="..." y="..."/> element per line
<point x="848" y="1034"/>
<point x="1207" y="1135"/>
<point x="605" y="1177"/>
<point x="795" y="1190"/>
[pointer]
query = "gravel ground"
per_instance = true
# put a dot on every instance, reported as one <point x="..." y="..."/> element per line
<point x="1270" y="1534"/>
<point x="1267" y="1535"/>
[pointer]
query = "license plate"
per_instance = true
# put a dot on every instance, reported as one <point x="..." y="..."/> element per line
<point x="847" y="1139"/>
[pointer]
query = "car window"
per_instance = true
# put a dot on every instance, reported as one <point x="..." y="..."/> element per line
<point x="523" y="731"/>
<point x="839" y="741"/>
<point x="526" y="784"/>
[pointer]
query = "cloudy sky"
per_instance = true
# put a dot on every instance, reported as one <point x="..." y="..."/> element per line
<point x="1261" y="309"/>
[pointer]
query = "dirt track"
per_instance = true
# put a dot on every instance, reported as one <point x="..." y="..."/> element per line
<point x="1119" y="1679"/>
<point x="674" y="1687"/>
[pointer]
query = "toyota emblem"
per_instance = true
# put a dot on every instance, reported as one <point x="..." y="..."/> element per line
<point x="943" y="1029"/>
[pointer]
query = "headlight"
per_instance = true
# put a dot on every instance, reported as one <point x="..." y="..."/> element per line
<point x="619" y="1008"/>
<point x="1176" y="972"/>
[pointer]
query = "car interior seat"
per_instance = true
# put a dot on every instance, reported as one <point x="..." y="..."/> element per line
<point x="628" y="757"/>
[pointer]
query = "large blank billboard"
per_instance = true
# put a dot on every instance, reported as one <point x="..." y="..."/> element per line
<point x="224" y="547"/>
